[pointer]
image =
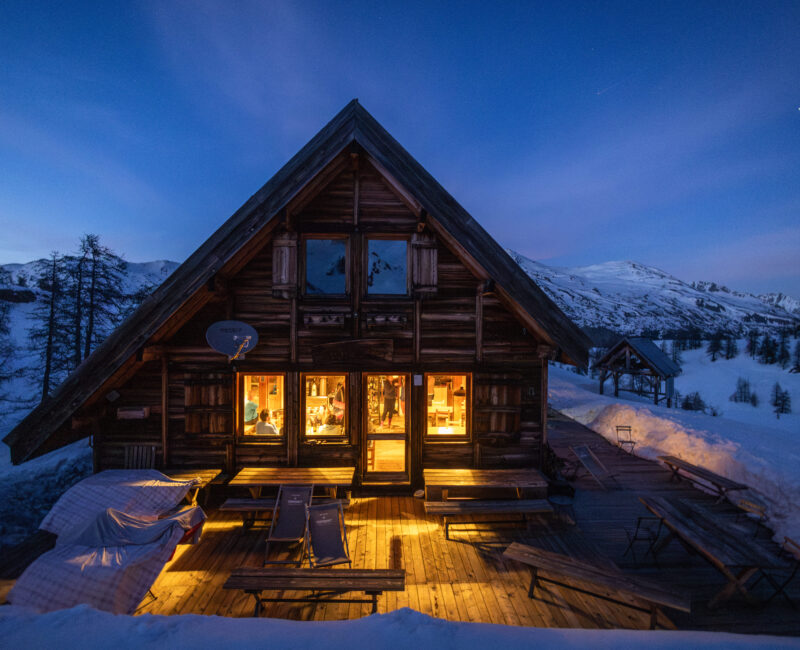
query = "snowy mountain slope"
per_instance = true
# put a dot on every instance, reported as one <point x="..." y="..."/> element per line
<point x="138" y="275"/>
<point x="631" y="298"/>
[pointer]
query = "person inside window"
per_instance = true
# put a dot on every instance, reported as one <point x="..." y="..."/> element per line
<point x="389" y="398"/>
<point x="251" y="407"/>
<point x="264" y="426"/>
<point x="330" y="427"/>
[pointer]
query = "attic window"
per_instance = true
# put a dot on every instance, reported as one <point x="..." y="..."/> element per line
<point x="326" y="267"/>
<point x="387" y="266"/>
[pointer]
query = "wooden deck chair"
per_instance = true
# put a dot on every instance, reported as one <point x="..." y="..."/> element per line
<point x="592" y="464"/>
<point x="326" y="535"/>
<point x="625" y="442"/>
<point x="140" y="457"/>
<point x="289" y="520"/>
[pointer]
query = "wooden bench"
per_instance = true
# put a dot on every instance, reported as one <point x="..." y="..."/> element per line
<point x="449" y="509"/>
<point x="328" y="582"/>
<point x="249" y="509"/>
<point x="701" y="476"/>
<point x="610" y="577"/>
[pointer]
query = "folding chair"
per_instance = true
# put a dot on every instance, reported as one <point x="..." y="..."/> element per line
<point x="289" y="520"/>
<point x="648" y="529"/>
<point x="624" y="438"/>
<point x="326" y="535"/>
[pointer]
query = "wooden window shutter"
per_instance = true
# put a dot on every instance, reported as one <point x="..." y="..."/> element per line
<point x="284" y="265"/>
<point x="424" y="258"/>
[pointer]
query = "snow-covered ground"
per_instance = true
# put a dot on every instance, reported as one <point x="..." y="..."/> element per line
<point x="30" y="490"/>
<point x="716" y="382"/>
<point x="756" y="452"/>
<point x="83" y="627"/>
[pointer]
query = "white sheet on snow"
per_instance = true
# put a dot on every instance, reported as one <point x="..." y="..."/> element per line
<point x="85" y="628"/>
<point x="108" y="564"/>
<point x="140" y="492"/>
<point x="766" y="459"/>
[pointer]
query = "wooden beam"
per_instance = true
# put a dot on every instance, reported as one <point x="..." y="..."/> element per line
<point x="479" y="323"/>
<point x="404" y="195"/>
<point x="164" y="411"/>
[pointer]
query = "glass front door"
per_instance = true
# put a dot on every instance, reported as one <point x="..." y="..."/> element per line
<point x="386" y="427"/>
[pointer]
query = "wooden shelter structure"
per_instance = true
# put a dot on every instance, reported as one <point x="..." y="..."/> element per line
<point x="640" y="358"/>
<point x="395" y="334"/>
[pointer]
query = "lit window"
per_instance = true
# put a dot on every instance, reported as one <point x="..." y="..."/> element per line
<point x="448" y="405"/>
<point x="387" y="261"/>
<point x="326" y="266"/>
<point x="325" y="405"/>
<point x="262" y="405"/>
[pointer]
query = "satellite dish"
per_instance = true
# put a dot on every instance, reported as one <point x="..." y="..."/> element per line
<point x="232" y="338"/>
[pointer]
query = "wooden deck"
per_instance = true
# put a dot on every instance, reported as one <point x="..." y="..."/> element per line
<point x="467" y="578"/>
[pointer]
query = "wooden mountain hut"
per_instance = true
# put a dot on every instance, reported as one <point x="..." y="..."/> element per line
<point x="394" y="334"/>
<point x="644" y="361"/>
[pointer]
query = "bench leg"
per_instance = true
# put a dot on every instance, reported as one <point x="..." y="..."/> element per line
<point x="257" y="596"/>
<point x="446" y="527"/>
<point x="374" y="595"/>
<point x="653" y="617"/>
<point x="534" y="581"/>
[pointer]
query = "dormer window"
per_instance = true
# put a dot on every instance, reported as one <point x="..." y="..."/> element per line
<point x="387" y="267"/>
<point x="326" y="267"/>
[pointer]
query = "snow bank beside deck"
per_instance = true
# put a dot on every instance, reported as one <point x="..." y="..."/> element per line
<point x="85" y="628"/>
<point x="766" y="459"/>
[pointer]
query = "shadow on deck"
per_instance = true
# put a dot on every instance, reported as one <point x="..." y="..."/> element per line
<point x="467" y="578"/>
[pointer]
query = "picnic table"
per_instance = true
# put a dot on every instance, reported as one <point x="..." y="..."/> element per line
<point x="701" y="476"/>
<point x="733" y="554"/>
<point x="603" y="578"/>
<point x="438" y="482"/>
<point x="203" y="477"/>
<point x="256" y="478"/>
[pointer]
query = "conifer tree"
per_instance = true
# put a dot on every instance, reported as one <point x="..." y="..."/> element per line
<point x="768" y="350"/>
<point x="731" y="350"/>
<point x="782" y="355"/>
<point x="796" y="357"/>
<point x="46" y="336"/>
<point x="715" y="345"/>
<point x="104" y="291"/>
<point x="752" y="343"/>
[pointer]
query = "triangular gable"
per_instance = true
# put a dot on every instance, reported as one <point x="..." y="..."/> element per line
<point x="183" y="289"/>
<point x="648" y="352"/>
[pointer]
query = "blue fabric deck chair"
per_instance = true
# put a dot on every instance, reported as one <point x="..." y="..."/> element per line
<point x="326" y="535"/>
<point x="289" y="520"/>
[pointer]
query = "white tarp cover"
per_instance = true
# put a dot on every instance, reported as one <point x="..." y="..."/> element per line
<point x="109" y="563"/>
<point x="140" y="492"/>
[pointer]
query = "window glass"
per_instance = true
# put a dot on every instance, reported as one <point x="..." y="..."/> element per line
<point x="448" y="405"/>
<point x="326" y="404"/>
<point x="386" y="266"/>
<point x="386" y="404"/>
<point x="263" y="405"/>
<point x="326" y="266"/>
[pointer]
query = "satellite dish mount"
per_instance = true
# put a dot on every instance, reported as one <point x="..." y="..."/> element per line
<point x="232" y="338"/>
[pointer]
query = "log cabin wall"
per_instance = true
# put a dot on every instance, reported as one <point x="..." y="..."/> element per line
<point x="463" y="328"/>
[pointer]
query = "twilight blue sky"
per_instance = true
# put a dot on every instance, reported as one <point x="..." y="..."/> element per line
<point x="662" y="132"/>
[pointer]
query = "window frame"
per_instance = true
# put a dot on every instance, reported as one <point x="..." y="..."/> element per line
<point x="344" y="437"/>
<point x="243" y="437"/>
<point x="365" y="266"/>
<point x="437" y="439"/>
<point x="367" y="436"/>
<point x="347" y="265"/>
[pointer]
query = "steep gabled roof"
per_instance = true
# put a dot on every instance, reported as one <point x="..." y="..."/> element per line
<point x="352" y="124"/>
<point x="650" y="354"/>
